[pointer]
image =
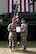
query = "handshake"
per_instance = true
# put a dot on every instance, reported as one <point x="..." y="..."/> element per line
<point x="18" y="30"/>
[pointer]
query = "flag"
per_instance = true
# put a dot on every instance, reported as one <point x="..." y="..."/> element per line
<point x="23" y="5"/>
<point x="15" y="16"/>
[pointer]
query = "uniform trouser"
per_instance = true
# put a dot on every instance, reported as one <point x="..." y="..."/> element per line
<point x="23" y="41"/>
<point x="12" y="42"/>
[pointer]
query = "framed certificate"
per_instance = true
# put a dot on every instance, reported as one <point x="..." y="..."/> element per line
<point x="18" y="29"/>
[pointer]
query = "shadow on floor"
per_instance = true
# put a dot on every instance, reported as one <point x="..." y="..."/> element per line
<point x="26" y="52"/>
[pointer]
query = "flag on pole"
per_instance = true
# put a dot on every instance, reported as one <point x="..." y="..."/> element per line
<point x="15" y="16"/>
<point x="23" y="6"/>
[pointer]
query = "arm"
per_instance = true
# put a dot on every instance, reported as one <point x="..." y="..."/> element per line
<point x="22" y="28"/>
<point x="9" y="27"/>
<point x="25" y="28"/>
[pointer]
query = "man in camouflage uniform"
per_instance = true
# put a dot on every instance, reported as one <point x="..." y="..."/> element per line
<point x="24" y="32"/>
<point x="12" y="34"/>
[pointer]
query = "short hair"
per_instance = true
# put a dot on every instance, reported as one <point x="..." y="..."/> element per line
<point x="22" y="19"/>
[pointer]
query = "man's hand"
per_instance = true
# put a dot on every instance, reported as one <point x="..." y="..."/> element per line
<point x="14" y="30"/>
<point x="23" y="31"/>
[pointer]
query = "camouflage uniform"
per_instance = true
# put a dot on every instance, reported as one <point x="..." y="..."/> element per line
<point x="12" y="35"/>
<point x="24" y="32"/>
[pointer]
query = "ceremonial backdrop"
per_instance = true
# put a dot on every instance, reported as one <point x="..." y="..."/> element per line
<point x="23" y="5"/>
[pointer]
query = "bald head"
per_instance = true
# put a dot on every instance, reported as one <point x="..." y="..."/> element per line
<point x="14" y="20"/>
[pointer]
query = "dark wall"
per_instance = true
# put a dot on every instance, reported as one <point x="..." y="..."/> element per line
<point x="31" y="33"/>
<point x="3" y="33"/>
<point x="29" y="17"/>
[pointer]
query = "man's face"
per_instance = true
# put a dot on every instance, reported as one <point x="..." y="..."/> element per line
<point x="23" y="21"/>
<point x="15" y="20"/>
